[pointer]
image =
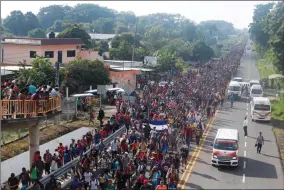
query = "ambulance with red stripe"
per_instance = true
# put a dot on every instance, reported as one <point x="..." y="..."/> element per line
<point x="225" y="148"/>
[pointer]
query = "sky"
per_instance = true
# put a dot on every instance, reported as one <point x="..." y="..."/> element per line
<point x="237" y="12"/>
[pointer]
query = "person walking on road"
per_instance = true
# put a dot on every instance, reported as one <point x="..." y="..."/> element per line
<point x="245" y="126"/>
<point x="198" y="133"/>
<point x="232" y="98"/>
<point x="259" y="142"/>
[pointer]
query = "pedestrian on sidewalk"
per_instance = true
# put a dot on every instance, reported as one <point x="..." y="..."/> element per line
<point x="245" y="126"/>
<point x="259" y="142"/>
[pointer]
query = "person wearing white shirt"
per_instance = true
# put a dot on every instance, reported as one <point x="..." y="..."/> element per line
<point x="153" y="133"/>
<point x="87" y="176"/>
<point x="114" y="148"/>
<point x="94" y="184"/>
<point x="245" y="126"/>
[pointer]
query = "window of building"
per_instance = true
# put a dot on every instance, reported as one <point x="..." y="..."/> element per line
<point x="71" y="53"/>
<point x="49" y="54"/>
<point x="32" y="54"/>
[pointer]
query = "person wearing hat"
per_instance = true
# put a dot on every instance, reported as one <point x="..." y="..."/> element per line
<point x="145" y="185"/>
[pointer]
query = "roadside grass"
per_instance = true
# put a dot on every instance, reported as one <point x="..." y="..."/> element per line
<point x="279" y="134"/>
<point x="46" y="134"/>
<point x="266" y="69"/>
<point x="277" y="108"/>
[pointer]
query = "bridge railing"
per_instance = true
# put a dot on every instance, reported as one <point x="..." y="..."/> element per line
<point x="67" y="167"/>
<point x="28" y="108"/>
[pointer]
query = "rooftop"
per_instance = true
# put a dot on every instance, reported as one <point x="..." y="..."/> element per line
<point x="96" y="36"/>
<point x="43" y="41"/>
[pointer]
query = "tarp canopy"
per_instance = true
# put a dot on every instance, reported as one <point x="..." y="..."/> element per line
<point x="275" y="76"/>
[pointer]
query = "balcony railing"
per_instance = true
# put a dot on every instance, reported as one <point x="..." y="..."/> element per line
<point x="12" y="109"/>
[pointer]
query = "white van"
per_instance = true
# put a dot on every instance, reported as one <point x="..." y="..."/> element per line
<point x="256" y="91"/>
<point x="225" y="148"/>
<point x="260" y="109"/>
<point x="235" y="88"/>
<point x="252" y="82"/>
<point x="238" y="79"/>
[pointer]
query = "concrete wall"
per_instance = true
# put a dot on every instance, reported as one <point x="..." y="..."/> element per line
<point x="14" y="53"/>
<point x="122" y="77"/>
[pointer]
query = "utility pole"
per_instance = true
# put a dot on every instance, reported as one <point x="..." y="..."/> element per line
<point x="57" y="74"/>
<point x="133" y="48"/>
<point x="1" y="53"/>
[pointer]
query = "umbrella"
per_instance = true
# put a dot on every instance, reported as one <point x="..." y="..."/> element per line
<point x="274" y="76"/>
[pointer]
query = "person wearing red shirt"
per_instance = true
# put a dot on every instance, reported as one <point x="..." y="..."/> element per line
<point x="103" y="134"/>
<point x="36" y="156"/>
<point x="124" y="146"/>
<point x="187" y="135"/>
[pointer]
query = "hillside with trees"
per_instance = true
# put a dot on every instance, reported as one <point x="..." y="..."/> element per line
<point x="160" y="34"/>
<point x="267" y="31"/>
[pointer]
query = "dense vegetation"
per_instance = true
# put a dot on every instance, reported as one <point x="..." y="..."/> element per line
<point x="267" y="31"/>
<point x="156" y="34"/>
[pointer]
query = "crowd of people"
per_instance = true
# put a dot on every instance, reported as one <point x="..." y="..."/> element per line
<point x="11" y="90"/>
<point x="144" y="158"/>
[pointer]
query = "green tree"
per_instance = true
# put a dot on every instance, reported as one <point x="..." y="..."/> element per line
<point x="48" y="15"/>
<point x="86" y="72"/>
<point x="275" y="29"/>
<point x="75" y="32"/>
<point x="36" y="33"/>
<point x="127" y="18"/>
<point x="122" y="52"/>
<point x="41" y="72"/>
<point x="59" y="26"/>
<point x="154" y="39"/>
<point x="87" y="13"/>
<point x="31" y="21"/>
<point x="257" y="29"/>
<point x="121" y="28"/>
<point x="201" y="52"/>
<point x="104" y="25"/>
<point x="166" y="60"/>
<point x="16" y="23"/>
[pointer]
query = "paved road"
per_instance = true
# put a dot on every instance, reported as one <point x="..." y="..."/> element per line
<point x="255" y="171"/>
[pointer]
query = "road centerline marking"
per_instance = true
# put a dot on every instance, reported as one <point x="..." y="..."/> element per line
<point x="244" y="178"/>
<point x="245" y="164"/>
<point x="245" y="144"/>
<point x="245" y="153"/>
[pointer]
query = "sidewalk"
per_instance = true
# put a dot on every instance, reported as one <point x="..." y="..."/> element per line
<point x="15" y="164"/>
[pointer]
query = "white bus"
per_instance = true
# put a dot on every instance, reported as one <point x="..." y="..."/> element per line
<point x="260" y="109"/>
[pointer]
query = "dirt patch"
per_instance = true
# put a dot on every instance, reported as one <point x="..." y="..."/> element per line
<point x="46" y="134"/>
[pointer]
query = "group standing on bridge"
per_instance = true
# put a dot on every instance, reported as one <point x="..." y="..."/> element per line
<point x="145" y="157"/>
<point x="14" y="99"/>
